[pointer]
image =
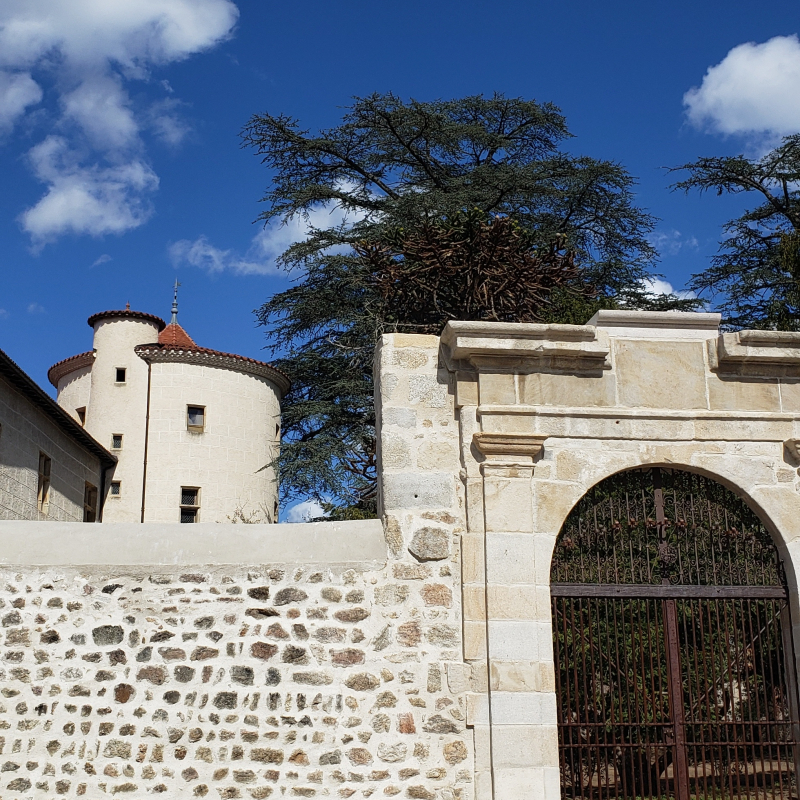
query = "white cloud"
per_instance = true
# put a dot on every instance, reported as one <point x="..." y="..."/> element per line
<point x="82" y="199"/>
<point x="671" y="242"/>
<point x="164" y="119"/>
<point x="303" y="512"/>
<point x="35" y="308"/>
<point x="752" y="91"/>
<point x="3" y="313"/>
<point x="658" y="286"/>
<point x="266" y="246"/>
<point x="103" y="259"/>
<point x="89" y="50"/>
<point x="18" y="90"/>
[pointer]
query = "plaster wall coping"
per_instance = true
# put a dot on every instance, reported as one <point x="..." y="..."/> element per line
<point x="756" y="353"/>
<point x="579" y="347"/>
<point x="657" y="324"/>
<point x="356" y="543"/>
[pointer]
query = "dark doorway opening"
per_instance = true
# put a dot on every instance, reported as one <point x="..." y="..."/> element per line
<point x="674" y="660"/>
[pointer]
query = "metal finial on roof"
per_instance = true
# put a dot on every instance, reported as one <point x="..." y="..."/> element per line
<point x="174" y="319"/>
<point x="127" y="306"/>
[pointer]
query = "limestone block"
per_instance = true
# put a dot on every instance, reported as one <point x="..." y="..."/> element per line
<point x="474" y="641"/>
<point x="473" y="602"/>
<point x="516" y="676"/>
<point x="650" y="375"/>
<point x="497" y="388"/>
<point x="743" y="395"/>
<point x="412" y="490"/>
<point x="438" y="455"/>
<point x="514" y="640"/>
<point x="556" y="389"/>
<point x="790" y="395"/>
<point x="402" y="417"/>
<point x="524" y="708"/>
<point x="508" y="505"/>
<point x="395" y="451"/>
<point x="512" y="602"/>
<point x="427" y="391"/>
<point x="525" y="746"/>
<point x="519" y="783"/>
<point x="555" y="499"/>
<point x="511" y="557"/>
<point x="472" y="558"/>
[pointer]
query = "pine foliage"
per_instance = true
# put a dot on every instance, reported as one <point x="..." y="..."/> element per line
<point x="428" y="200"/>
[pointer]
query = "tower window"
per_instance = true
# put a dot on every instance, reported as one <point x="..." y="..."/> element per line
<point x="196" y="418"/>
<point x="116" y="441"/>
<point x="81" y="412"/>
<point x="90" y="503"/>
<point x="120" y="374"/>
<point x="43" y="488"/>
<point x="116" y="489"/>
<point x="190" y="504"/>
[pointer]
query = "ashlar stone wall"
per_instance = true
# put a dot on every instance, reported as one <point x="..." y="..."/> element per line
<point x="284" y="679"/>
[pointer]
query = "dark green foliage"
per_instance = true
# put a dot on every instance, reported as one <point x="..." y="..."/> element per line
<point x="395" y="166"/>
<point x="757" y="268"/>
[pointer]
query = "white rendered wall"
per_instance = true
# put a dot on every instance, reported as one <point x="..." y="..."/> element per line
<point x="74" y="390"/>
<point x="26" y="431"/>
<point x="121" y="408"/>
<point x="225" y="461"/>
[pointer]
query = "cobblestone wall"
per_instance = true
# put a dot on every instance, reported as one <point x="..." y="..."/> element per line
<point x="280" y="681"/>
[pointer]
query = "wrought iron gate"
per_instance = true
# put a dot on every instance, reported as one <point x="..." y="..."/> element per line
<point x="673" y="646"/>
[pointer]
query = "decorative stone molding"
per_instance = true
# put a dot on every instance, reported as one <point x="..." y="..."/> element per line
<point x="525" y="346"/>
<point x="763" y="354"/>
<point x="509" y="444"/>
<point x="657" y="324"/>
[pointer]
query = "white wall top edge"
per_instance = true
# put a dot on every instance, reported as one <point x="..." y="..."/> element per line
<point x="353" y="543"/>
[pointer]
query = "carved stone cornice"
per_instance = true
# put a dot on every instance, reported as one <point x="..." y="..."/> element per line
<point x="758" y="354"/>
<point x="509" y="444"/>
<point x="507" y="346"/>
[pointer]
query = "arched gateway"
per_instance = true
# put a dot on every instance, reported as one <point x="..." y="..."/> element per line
<point x="673" y="644"/>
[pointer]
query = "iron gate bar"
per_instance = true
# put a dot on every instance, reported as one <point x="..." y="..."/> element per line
<point x="678" y="592"/>
<point x="673" y="688"/>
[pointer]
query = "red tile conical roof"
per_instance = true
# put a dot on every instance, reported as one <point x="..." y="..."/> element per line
<point x="175" y="336"/>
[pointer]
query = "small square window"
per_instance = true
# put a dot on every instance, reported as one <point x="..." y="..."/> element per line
<point x="116" y="441"/>
<point x="190" y="504"/>
<point x="116" y="489"/>
<point x="189" y="496"/>
<point x="196" y="418"/>
<point x="120" y="374"/>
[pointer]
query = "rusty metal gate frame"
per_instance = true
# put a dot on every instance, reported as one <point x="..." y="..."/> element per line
<point x="684" y="594"/>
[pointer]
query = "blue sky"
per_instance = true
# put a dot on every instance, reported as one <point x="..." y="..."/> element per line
<point x="121" y="167"/>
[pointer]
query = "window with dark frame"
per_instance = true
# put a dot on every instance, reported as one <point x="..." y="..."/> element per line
<point x="90" y="503"/>
<point x="116" y="441"/>
<point x="196" y="418"/>
<point x="43" y="487"/>
<point x="115" y="490"/>
<point x="190" y="504"/>
<point x="120" y="374"/>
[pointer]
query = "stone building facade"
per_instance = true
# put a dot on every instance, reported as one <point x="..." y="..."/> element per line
<point x="193" y="429"/>
<point x="409" y="656"/>
<point x="50" y="468"/>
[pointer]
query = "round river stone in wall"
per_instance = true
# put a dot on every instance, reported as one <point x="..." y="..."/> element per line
<point x="430" y="544"/>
